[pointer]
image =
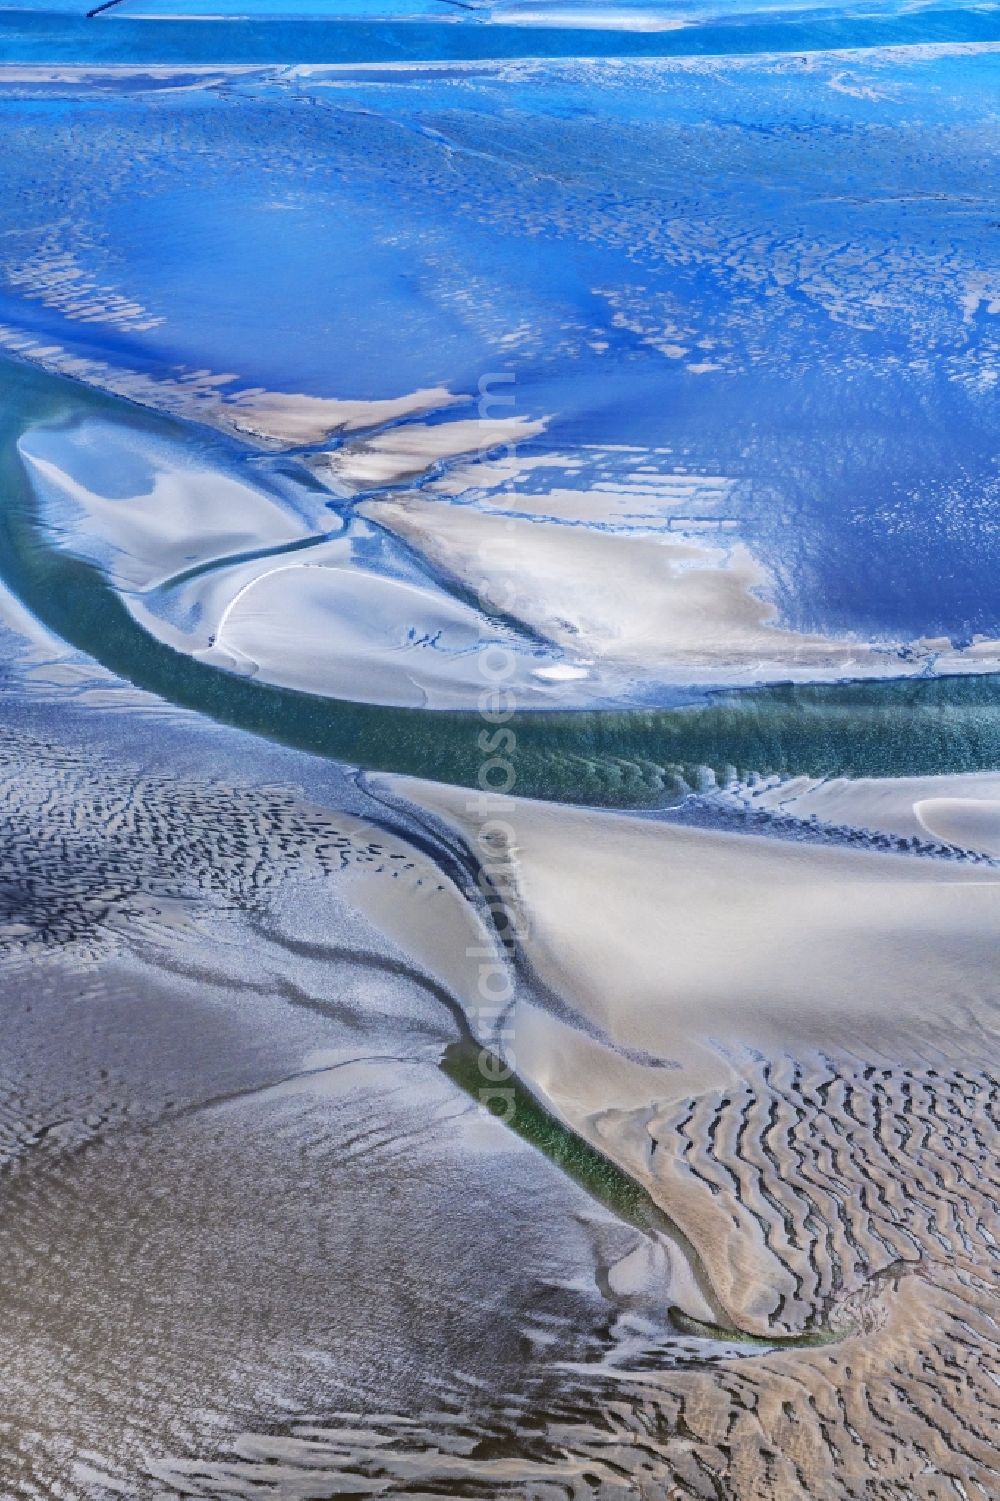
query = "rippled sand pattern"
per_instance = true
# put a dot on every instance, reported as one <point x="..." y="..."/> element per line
<point x="843" y="1210"/>
<point x="88" y="856"/>
<point x="862" y="1200"/>
<point x="423" y="1079"/>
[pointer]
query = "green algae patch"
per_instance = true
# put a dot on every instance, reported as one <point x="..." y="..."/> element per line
<point x="475" y="1071"/>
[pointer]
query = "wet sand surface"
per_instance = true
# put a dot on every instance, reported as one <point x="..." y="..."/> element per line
<point x="241" y="1196"/>
<point x="366" y="1130"/>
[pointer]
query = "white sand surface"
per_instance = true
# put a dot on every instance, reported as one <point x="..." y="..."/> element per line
<point x="599" y="19"/>
<point x="700" y="993"/>
<point x="973" y="823"/>
<point x="909" y="807"/>
<point x="346" y="632"/>
<point x="201" y="560"/>
<point x="402" y="453"/>
<point x="288" y="418"/>
<point x="142" y="509"/>
<point x="673" y="943"/>
<point x="638" y="488"/>
<point x="645" y="602"/>
<point x="677" y="607"/>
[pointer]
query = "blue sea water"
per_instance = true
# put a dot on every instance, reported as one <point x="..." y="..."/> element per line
<point x="133" y="32"/>
<point x="653" y="345"/>
<point x="779" y="271"/>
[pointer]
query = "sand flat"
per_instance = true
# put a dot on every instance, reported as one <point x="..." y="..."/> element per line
<point x="654" y="603"/>
<point x="289" y="418"/>
<point x="408" y="451"/>
<point x="692" y="936"/>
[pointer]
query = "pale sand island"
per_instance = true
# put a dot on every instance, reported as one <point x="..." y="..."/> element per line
<point x="500" y="752"/>
<point x="783" y="1044"/>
